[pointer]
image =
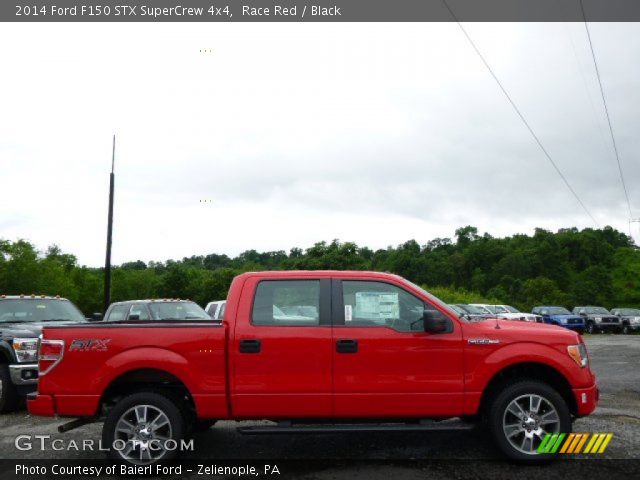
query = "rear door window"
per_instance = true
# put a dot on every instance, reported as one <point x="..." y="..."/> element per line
<point x="287" y="303"/>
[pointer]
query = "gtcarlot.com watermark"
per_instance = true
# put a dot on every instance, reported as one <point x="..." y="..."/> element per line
<point x="45" y="442"/>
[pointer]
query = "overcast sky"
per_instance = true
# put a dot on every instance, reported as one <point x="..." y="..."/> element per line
<point x="296" y="133"/>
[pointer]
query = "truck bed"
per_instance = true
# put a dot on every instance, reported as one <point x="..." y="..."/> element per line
<point x="190" y="353"/>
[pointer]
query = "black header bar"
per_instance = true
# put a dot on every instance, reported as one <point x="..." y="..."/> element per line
<point x="318" y="11"/>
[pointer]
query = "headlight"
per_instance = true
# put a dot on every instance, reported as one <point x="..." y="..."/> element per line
<point x="579" y="354"/>
<point x="26" y="349"/>
<point x="635" y="320"/>
<point x="597" y="319"/>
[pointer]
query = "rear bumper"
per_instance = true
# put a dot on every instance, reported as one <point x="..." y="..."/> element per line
<point x="63" y="405"/>
<point x="586" y="399"/>
<point x="42" y="405"/>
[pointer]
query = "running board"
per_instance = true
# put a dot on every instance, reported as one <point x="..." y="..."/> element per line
<point x="337" y="428"/>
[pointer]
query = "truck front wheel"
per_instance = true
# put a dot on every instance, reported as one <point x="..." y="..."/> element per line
<point x="522" y="414"/>
<point x="8" y="394"/>
<point x="143" y="428"/>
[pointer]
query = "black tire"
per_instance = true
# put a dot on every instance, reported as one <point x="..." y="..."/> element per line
<point x="591" y="328"/>
<point x="498" y="414"/>
<point x="9" y="397"/>
<point x="166" y="404"/>
<point x="626" y="329"/>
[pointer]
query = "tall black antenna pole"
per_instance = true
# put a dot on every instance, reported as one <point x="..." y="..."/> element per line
<point x="107" y="262"/>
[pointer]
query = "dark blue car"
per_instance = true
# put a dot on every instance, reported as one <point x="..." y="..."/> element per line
<point x="560" y="316"/>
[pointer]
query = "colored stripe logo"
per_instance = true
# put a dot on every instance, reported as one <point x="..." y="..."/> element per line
<point x="575" y="442"/>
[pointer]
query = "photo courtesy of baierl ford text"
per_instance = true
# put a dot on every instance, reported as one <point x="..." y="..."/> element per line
<point x="319" y="240"/>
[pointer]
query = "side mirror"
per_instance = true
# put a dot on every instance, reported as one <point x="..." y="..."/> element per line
<point x="435" y="322"/>
<point x="95" y="317"/>
<point x="134" y="316"/>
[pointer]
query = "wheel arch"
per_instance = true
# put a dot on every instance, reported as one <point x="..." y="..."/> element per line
<point x="144" y="379"/>
<point x="528" y="370"/>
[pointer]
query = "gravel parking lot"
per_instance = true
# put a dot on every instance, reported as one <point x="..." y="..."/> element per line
<point x="615" y="359"/>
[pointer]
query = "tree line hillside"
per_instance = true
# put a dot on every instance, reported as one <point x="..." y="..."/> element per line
<point x="569" y="267"/>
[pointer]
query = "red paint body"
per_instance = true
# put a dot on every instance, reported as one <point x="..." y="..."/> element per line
<point x="299" y="374"/>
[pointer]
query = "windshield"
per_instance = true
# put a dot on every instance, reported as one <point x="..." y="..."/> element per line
<point x="39" y="310"/>
<point x="458" y="310"/>
<point x="472" y="309"/>
<point x="486" y="308"/>
<point x="597" y="310"/>
<point x="177" y="311"/>
<point x="628" y="311"/>
<point x="558" y="311"/>
<point x="511" y="309"/>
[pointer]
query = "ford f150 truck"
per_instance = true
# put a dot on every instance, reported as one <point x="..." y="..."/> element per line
<point x="599" y="319"/>
<point x="560" y="316"/>
<point x="159" y="310"/>
<point x="316" y="351"/>
<point x="630" y="318"/>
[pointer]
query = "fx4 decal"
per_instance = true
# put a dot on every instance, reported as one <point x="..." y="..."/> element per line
<point x="90" y="345"/>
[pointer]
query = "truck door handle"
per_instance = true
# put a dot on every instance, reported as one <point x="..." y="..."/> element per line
<point x="250" y="346"/>
<point x="347" y="346"/>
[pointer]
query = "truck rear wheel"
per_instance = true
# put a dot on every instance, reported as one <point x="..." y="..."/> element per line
<point x="8" y="394"/>
<point x="522" y="414"/>
<point x="143" y="428"/>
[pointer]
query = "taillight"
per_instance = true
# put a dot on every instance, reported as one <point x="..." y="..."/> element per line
<point x="50" y="354"/>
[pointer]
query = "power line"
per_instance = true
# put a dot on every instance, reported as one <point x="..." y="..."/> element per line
<point x="515" y="107"/>
<point x="606" y="110"/>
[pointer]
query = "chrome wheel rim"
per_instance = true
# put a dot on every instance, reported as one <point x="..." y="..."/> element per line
<point x="142" y="434"/>
<point x="527" y="419"/>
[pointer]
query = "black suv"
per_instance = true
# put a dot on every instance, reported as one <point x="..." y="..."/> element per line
<point x="598" y="319"/>
<point x="155" y="310"/>
<point x="21" y="320"/>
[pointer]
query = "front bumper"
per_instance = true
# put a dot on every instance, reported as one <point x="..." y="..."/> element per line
<point x="24" y="374"/>
<point x="42" y="405"/>
<point x="574" y="326"/>
<point x="586" y="399"/>
<point x="608" y="326"/>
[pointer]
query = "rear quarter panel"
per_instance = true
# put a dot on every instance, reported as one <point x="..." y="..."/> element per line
<point x="194" y="353"/>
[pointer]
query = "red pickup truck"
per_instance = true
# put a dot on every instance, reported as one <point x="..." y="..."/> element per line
<point x="316" y="351"/>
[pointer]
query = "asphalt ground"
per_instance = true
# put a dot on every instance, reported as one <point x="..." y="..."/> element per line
<point x="469" y="454"/>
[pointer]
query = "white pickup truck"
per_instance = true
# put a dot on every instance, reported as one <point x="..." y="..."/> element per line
<point x="216" y="309"/>
<point x="508" y="312"/>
